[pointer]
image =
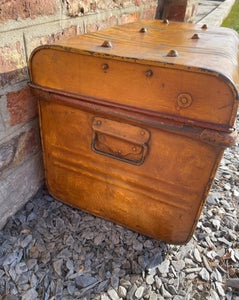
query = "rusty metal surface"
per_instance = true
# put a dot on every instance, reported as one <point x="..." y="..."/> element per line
<point x="163" y="62"/>
<point x="98" y="93"/>
<point x="216" y="44"/>
<point x="154" y="118"/>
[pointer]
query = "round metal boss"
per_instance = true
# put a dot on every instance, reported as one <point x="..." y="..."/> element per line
<point x="184" y="100"/>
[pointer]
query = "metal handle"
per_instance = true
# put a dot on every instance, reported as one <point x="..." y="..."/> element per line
<point x="120" y="141"/>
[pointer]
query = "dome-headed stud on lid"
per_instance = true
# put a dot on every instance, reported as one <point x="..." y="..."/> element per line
<point x="149" y="73"/>
<point x="172" y="53"/>
<point x="143" y="30"/>
<point x="105" y="67"/>
<point x="166" y="21"/>
<point x="107" y="44"/>
<point x="195" y="36"/>
<point x="204" y="26"/>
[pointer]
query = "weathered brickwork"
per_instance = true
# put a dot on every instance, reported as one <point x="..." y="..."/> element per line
<point x="19" y="148"/>
<point x="150" y="13"/>
<point x="24" y="25"/>
<point x="7" y="152"/>
<point x="75" y="8"/>
<point x="19" y="185"/>
<point x="23" y="9"/>
<point x="43" y="39"/>
<point x="128" y="18"/>
<point x="21" y="106"/>
<point x="95" y="25"/>
<point x="12" y="64"/>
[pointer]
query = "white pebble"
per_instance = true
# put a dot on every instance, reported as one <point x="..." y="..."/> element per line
<point x="158" y="282"/>
<point x="216" y="223"/>
<point x="204" y="274"/>
<point x="197" y="255"/>
<point x="139" y="292"/>
<point x="122" y="292"/>
<point x="164" y="266"/>
<point x="113" y="295"/>
<point x="150" y="279"/>
<point x="220" y="289"/>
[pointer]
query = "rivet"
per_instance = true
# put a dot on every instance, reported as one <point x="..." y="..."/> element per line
<point x="105" y="67"/>
<point x="119" y="152"/>
<point x="172" y="53"/>
<point x="149" y="73"/>
<point x="142" y="132"/>
<point x="98" y="123"/>
<point x="143" y="30"/>
<point x="166" y="21"/>
<point x="107" y="44"/>
<point x="184" y="100"/>
<point x="195" y="36"/>
<point x="204" y="26"/>
<point x="134" y="148"/>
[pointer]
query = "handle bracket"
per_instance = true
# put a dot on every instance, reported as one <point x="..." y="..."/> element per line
<point x="120" y="141"/>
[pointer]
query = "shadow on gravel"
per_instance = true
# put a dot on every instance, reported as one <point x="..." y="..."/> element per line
<point x="49" y="249"/>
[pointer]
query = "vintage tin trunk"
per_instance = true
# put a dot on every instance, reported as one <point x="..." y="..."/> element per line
<point x="134" y="121"/>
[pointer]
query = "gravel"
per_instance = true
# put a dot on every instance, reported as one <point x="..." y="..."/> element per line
<point x="49" y="250"/>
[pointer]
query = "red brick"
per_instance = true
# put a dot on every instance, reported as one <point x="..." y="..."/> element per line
<point x="109" y="22"/>
<point x="12" y="64"/>
<point x="92" y="27"/>
<point x="65" y="33"/>
<point x="21" y="106"/>
<point x="150" y="13"/>
<point x="13" y="10"/>
<point x="127" y="18"/>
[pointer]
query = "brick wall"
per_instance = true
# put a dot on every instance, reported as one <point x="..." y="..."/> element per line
<point x="24" y="25"/>
<point x="180" y="10"/>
